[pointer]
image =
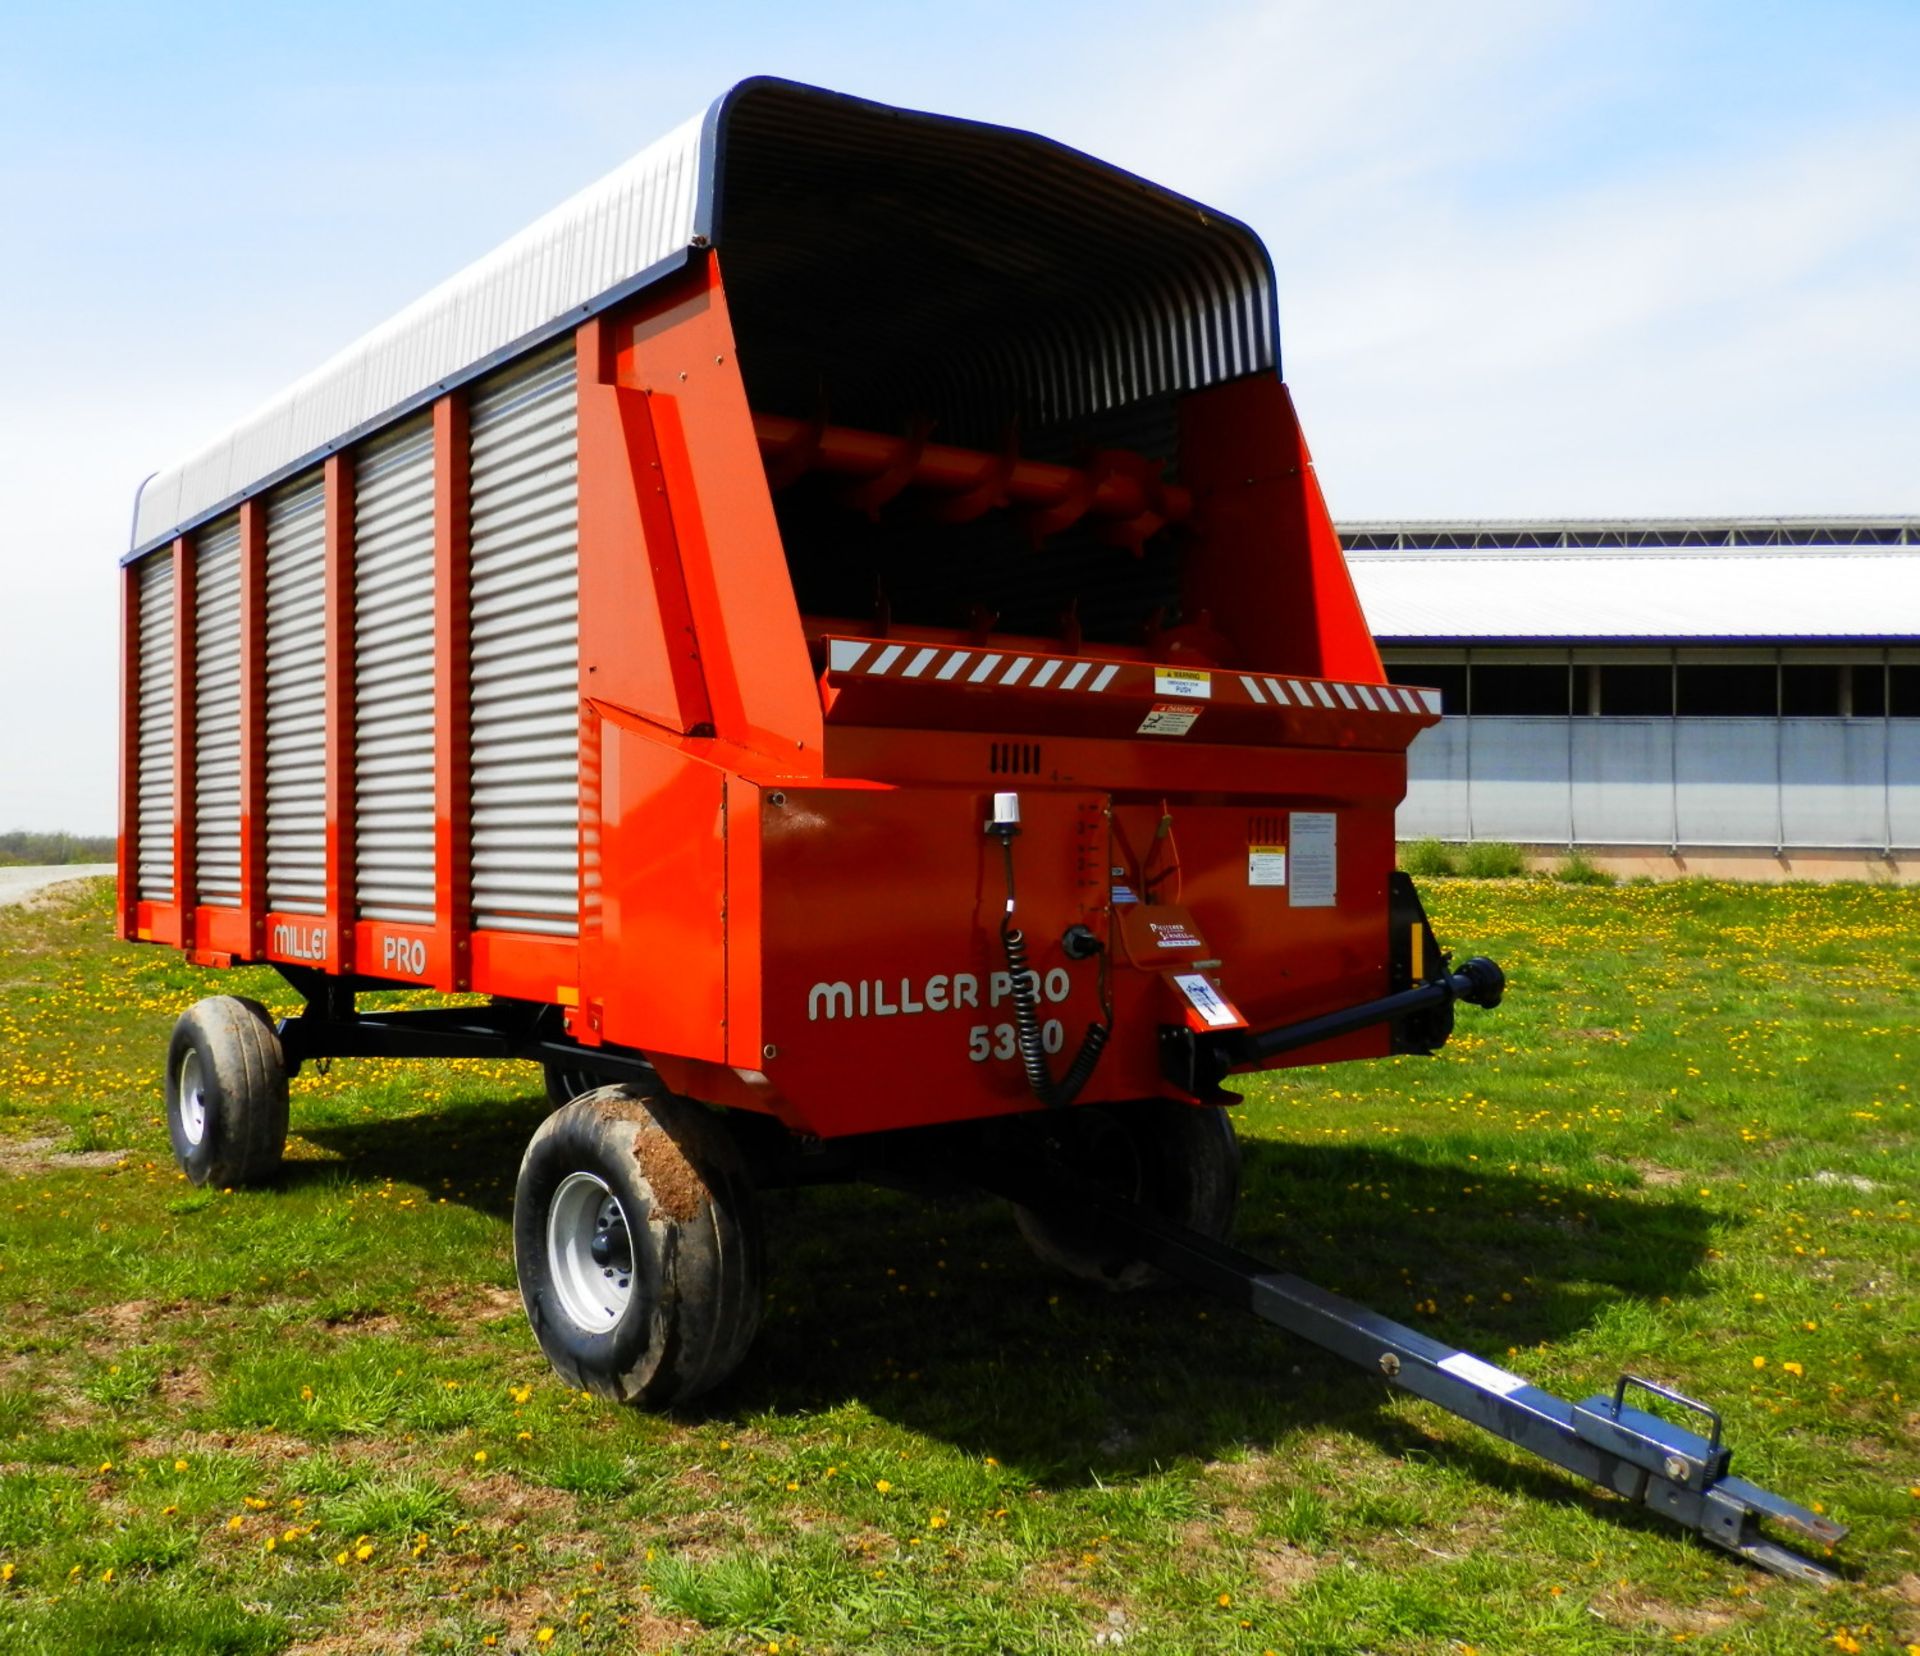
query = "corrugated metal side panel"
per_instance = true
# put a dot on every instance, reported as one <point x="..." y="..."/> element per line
<point x="1812" y="783"/>
<point x="216" y="740"/>
<point x="921" y="265"/>
<point x="393" y="675"/>
<point x="153" y="834"/>
<point x="525" y="649"/>
<point x="637" y="216"/>
<point x="296" y="698"/>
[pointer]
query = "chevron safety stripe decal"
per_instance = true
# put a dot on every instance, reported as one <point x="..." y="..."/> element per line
<point x="1004" y="669"/>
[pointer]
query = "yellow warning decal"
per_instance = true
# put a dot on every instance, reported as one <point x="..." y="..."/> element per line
<point x="1182" y="681"/>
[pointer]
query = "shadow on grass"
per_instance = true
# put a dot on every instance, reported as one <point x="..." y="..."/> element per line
<point x="931" y="1313"/>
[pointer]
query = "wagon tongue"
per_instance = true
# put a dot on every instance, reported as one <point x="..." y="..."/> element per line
<point x="1677" y="1472"/>
<point x="917" y="684"/>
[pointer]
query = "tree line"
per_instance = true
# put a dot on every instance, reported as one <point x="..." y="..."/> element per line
<point x="22" y="848"/>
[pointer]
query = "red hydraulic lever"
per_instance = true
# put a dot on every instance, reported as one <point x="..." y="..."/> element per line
<point x="1119" y="488"/>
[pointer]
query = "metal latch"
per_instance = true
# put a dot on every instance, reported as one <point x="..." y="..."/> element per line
<point x="1676" y="1454"/>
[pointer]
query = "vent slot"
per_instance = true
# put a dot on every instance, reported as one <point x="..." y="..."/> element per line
<point x="1266" y="830"/>
<point x="1014" y="759"/>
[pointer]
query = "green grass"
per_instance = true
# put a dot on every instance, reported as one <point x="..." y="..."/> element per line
<point x="312" y="1417"/>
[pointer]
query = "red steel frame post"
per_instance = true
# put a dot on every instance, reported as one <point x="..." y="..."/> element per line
<point x="253" y="722"/>
<point x="451" y="756"/>
<point x="125" y="853"/>
<point x="185" y="723"/>
<point x="338" y="952"/>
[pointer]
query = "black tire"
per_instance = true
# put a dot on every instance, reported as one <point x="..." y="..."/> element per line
<point x="1181" y="1161"/>
<point x="226" y="1088"/>
<point x="654" y="1183"/>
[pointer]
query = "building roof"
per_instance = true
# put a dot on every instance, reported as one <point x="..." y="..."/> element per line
<point x="1643" y="597"/>
<point x="1079" y="285"/>
<point x="1522" y="534"/>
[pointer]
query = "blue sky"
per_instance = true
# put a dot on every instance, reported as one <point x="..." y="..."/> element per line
<point x="1533" y="258"/>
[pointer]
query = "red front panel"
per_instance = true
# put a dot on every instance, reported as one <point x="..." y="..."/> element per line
<point x="884" y="986"/>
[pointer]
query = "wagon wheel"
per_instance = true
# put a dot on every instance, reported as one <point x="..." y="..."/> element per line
<point x="638" y="1246"/>
<point x="226" y="1092"/>
<point x="1180" y="1161"/>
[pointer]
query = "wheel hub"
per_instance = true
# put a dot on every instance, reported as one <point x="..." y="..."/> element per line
<point x="590" y="1253"/>
<point x="193" y="1100"/>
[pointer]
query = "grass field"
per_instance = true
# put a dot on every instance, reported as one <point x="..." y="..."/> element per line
<point x="313" y="1418"/>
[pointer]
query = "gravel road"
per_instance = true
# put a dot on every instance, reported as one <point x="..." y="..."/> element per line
<point x="18" y="883"/>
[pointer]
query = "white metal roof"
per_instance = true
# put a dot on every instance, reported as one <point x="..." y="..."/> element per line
<point x="808" y="193"/>
<point x="1646" y="596"/>
<point x="1603" y="534"/>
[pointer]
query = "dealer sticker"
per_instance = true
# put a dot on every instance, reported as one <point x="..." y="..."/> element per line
<point x="1266" y="865"/>
<point x="1182" y="681"/>
<point x="1215" y="1010"/>
<point x="1169" y="719"/>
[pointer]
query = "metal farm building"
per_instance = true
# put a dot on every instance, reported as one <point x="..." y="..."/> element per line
<point x="1740" y="692"/>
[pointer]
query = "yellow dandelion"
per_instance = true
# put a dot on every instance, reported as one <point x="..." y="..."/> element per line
<point x="236" y="1521"/>
<point x="340" y="1558"/>
<point x="544" y="1636"/>
<point x="479" y="1457"/>
<point x="363" y="1552"/>
<point x="1225" y="1600"/>
<point x="6" y="1574"/>
<point x="882" y="1485"/>
<point x="1793" y="1368"/>
<point x="179" y="1466"/>
<point x="1759" y="1362"/>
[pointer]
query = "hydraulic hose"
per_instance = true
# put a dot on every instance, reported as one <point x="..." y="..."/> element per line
<point x="1028" y="1037"/>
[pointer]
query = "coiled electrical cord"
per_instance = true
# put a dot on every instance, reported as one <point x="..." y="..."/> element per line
<point x="1026" y="1017"/>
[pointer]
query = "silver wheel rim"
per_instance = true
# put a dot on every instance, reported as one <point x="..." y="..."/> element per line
<point x="193" y="1100"/>
<point x="589" y="1253"/>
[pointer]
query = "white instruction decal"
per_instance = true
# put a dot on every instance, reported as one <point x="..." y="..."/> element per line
<point x="1312" y="839"/>
<point x="1181" y="681"/>
<point x="1266" y="865"/>
<point x="1169" y="719"/>
<point x="1465" y="1366"/>
<point x="1215" y="1010"/>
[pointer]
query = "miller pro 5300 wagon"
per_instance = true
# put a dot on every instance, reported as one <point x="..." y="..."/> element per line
<point x="834" y="632"/>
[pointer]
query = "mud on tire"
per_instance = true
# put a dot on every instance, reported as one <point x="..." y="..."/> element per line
<point x="638" y="1246"/>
